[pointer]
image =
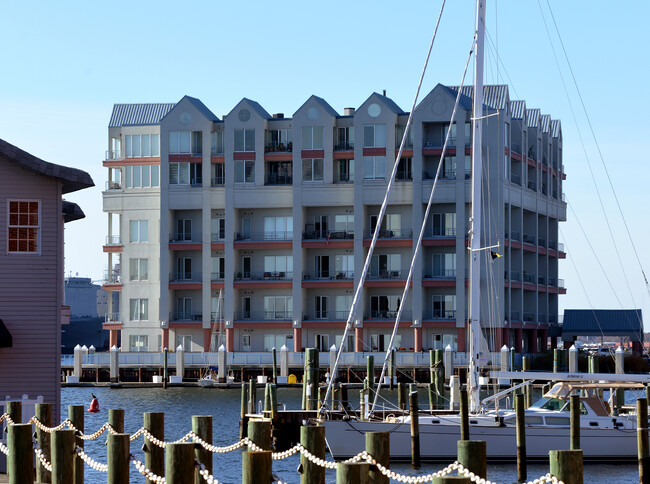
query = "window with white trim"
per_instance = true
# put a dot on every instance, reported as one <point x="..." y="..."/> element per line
<point x="180" y="142"/>
<point x="278" y="265"/>
<point x="312" y="137"/>
<point x="138" y="309"/>
<point x="278" y="307"/>
<point x="244" y="140"/>
<point x="444" y="306"/>
<point x="138" y="342"/>
<point x="24" y="228"/>
<point x="138" y="269"/>
<point x="142" y="145"/>
<point x="139" y="231"/>
<point x="322" y="304"/>
<point x="374" y="167"/>
<point x="245" y="171"/>
<point x="322" y="342"/>
<point x="142" y="176"/>
<point x="216" y="142"/>
<point x="374" y="136"/>
<point x="279" y="228"/>
<point x="312" y="169"/>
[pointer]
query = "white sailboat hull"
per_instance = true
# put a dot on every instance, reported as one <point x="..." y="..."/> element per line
<point x="438" y="442"/>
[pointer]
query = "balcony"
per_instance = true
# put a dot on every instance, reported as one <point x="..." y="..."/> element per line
<point x="181" y="237"/>
<point x="529" y="239"/>
<point x="386" y="275"/>
<point x="327" y="235"/>
<point x="112" y="277"/>
<point x="529" y="278"/>
<point x="344" y="146"/>
<point x="217" y="276"/>
<point x="218" y="237"/>
<point x="529" y="317"/>
<point x="326" y="315"/>
<point x="516" y="179"/>
<point x="541" y="280"/>
<point x="264" y="276"/>
<point x="218" y="181"/>
<point x="328" y="275"/>
<point x="441" y="273"/>
<point x="440" y="231"/>
<point x="112" y="185"/>
<point x="112" y="318"/>
<point x="552" y="281"/>
<point x="264" y="236"/>
<point x="113" y="240"/>
<point x="514" y="276"/>
<point x="516" y="236"/>
<point x="541" y="241"/>
<point x="278" y="179"/>
<point x="185" y="276"/>
<point x="276" y="147"/>
<point x="532" y="186"/>
<point x="113" y="155"/>
<point x="447" y="314"/>
<point x="265" y="315"/>
<point x="390" y="234"/>
<point x="387" y="315"/>
<point x="185" y="316"/>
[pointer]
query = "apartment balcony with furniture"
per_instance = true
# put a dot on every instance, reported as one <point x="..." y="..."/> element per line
<point x="114" y="155"/>
<point x="278" y="235"/>
<point x="112" y="318"/>
<point x="176" y="316"/>
<point x="185" y="237"/>
<point x="327" y="275"/>
<point x="311" y="234"/>
<point x="440" y="314"/>
<point x="390" y="234"/>
<point x="186" y="276"/>
<point x="264" y="315"/>
<point x="386" y="274"/>
<point x="264" y="276"/>
<point x="386" y="315"/>
<point x="326" y="315"/>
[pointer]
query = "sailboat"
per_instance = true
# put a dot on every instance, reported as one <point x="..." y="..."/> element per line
<point x="604" y="438"/>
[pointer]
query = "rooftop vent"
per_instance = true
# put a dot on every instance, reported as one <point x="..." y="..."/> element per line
<point x="348" y="111"/>
<point x="278" y="116"/>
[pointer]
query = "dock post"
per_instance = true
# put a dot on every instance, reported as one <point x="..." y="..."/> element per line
<point x="116" y="419"/>
<point x="284" y="361"/>
<point x="165" y="366"/>
<point x="392" y="369"/>
<point x="642" y="439"/>
<point x="415" y="430"/>
<point x="647" y="393"/>
<point x="274" y="402"/>
<point x="566" y="465"/>
<point x="180" y="362"/>
<point x="334" y="378"/>
<point x="454" y="392"/>
<point x="312" y="438"/>
<point x="440" y="385"/>
<point x="19" y="460"/>
<point x="154" y="456"/>
<point x="274" y="357"/>
<point x="513" y="353"/>
<point x="118" y="458"/>
<point x="336" y="396"/>
<point x="522" y="470"/>
<point x="431" y="392"/>
<point x="525" y="363"/>
<point x="243" y="422"/>
<point x="43" y="412"/>
<point x="252" y="396"/>
<point x="222" y="362"/>
<point x="63" y="456"/>
<point x="573" y="359"/>
<point x="352" y="473"/>
<point x="505" y="357"/>
<point x="114" y="365"/>
<point x="378" y="446"/>
<point x="179" y="463"/>
<point x="575" y="421"/>
<point x="15" y="410"/>
<point x="464" y="415"/>
<point x="619" y="362"/>
<point x="432" y="364"/>
<point x="76" y="416"/>
<point x="202" y="426"/>
<point x="452" y="480"/>
<point x="472" y="454"/>
<point x="362" y="404"/>
<point x="401" y="395"/>
<point x="259" y="432"/>
<point x="370" y="373"/>
<point x="529" y="394"/>
<point x="256" y="467"/>
<point x="267" y="397"/>
<point x="311" y="378"/>
<point x="77" y="363"/>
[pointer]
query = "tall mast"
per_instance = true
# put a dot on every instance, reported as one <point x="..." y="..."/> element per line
<point x="475" y="220"/>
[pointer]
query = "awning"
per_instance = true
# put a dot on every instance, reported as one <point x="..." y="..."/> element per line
<point x="5" y="336"/>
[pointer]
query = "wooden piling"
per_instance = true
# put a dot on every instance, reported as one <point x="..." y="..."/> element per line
<point x="43" y="412"/>
<point x="556" y="362"/>
<point x="352" y="473"/>
<point x="464" y="415"/>
<point x="528" y="394"/>
<point x="274" y="356"/>
<point x="575" y="421"/>
<point x="401" y="395"/>
<point x="512" y="359"/>
<point x="19" y="462"/>
<point x="154" y="456"/>
<point x="179" y="463"/>
<point x="202" y="426"/>
<point x="566" y="465"/>
<point x="116" y="419"/>
<point x="525" y="363"/>
<point x="15" y="410"/>
<point x="415" y="430"/>
<point x="362" y="404"/>
<point x="431" y="392"/>
<point x="256" y="467"/>
<point x="118" y="458"/>
<point x="267" y="398"/>
<point x="392" y="368"/>
<point x="472" y="454"/>
<point x="243" y="421"/>
<point x="63" y="456"/>
<point x="440" y="385"/>
<point x="378" y="446"/>
<point x="165" y="367"/>
<point x="274" y="402"/>
<point x="259" y="432"/>
<point x="642" y="440"/>
<point x="252" y="396"/>
<point x="311" y="378"/>
<point x="312" y="438"/>
<point x="76" y="416"/>
<point x="452" y="480"/>
<point x="370" y="375"/>
<point x="522" y="470"/>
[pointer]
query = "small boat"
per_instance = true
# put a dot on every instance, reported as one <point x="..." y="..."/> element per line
<point x="209" y="379"/>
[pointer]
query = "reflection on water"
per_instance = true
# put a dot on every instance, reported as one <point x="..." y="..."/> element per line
<point x="179" y="404"/>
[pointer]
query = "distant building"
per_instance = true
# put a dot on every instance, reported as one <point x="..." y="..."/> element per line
<point x="81" y="296"/>
<point x="277" y="213"/>
<point x="32" y="215"/>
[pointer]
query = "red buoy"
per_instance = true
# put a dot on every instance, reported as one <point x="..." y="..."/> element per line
<point x="94" y="404"/>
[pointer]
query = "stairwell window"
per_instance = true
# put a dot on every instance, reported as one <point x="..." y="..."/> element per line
<point x="312" y="137"/>
<point x="138" y="309"/>
<point x="24" y="228"/>
<point x="244" y="140"/>
<point x="179" y="142"/>
<point x="245" y="171"/>
<point x="312" y="170"/>
<point x="216" y="142"/>
<point x="374" y="136"/>
<point x="374" y="167"/>
<point x="139" y="231"/>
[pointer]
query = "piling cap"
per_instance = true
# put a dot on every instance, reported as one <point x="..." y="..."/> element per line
<point x="573" y="348"/>
<point x="284" y="348"/>
<point x="449" y="348"/>
<point x="505" y="348"/>
<point x="179" y="348"/>
<point x="619" y="349"/>
<point x="222" y="348"/>
<point x="78" y="347"/>
<point x="333" y="348"/>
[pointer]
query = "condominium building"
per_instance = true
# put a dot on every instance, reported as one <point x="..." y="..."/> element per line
<point x="252" y="230"/>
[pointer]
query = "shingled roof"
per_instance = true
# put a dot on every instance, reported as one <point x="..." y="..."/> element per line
<point x="72" y="179"/>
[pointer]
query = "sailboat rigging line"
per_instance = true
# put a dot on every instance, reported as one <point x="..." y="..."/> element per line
<point x="418" y="244"/>
<point x="382" y="211"/>
<point x="600" y="200"/>
<point x="510" y="83"/>
<point x="602" y="160"/>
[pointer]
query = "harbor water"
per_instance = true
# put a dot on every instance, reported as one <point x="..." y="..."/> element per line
<point x="179" y="404"/>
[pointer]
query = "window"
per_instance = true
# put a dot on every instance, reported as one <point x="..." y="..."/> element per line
<point x="344" y="171"/>
<point x="245" y="228"/>
<point x="279" y="173"/>
<point x="139" y="231"/>
<point x="138" y="342"/>
<point x="138" y="309"/>
<point x="322" y="266"/>
<point x="349" y="344"/>
<point x="278" y="266"/>
<point x="312" y="137"/>
<point x="184" y="269"/>
<point x="218" y="267"/>
<point x="184" y="308"/>
<point x="278" y="140"/>
<point x="278" y="228"/>
<point x="374" y="167"/>
<point x="245" y="342"/>
<point x="142" y="145"/>
<point x="275" y="341"/>
<point x="391" y="225"/>
<point x="321" y="226"/>
<point x="179" y="142"/>
<point x="246" y="308"/>
<point x="344" y="266"/>
<point x="216" y="143"/>
<point x="246" y="267"/>
<point x="444" y="265"/>
<point x="218" y="228"/>
<point x="342" y="305"/>
<point x="399" y="134"/>
<point x="374" y="136"/>
<point x="468" y="135"/>
<point x="197" y="142"/>
<point x="24" y="227"/>
<point x="322" y="342"/>
<point x="184" y="341"/>
<point x="244" y="140"/>
<point x="405" y="169"/>
<point x="385" y="265"/>
<point x="312" y="169"/>
<point x="444" y="224"/>
<point x="441" y="341"/>
<point x="383" y="307"/>
<point x="183" y="230"/>
<point x="278" y="307"/>
<point x="444" y="306"/>
<point x="245" y="171"/>
<point x="321" y="307"/>
<point x="142" y="176"/>
<point x="344" y="223"/>
<point x="179" y="173"/>
<point x="344" y="138"/>
<point x="217" y="174"/>
<point x="138" y="269"/>
<point x="379" y="342"/>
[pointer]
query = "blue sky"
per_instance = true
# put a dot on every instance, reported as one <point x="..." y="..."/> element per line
<point x="66" y="63"/>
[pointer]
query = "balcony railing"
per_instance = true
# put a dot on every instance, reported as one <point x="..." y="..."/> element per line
<point x="218" y="237"/>
<point x="113" y="240"/>
<point x="441" y="314"/>
<point x="185" y="316"/>
<point x="274" y="147"/>
<point x="514" y="276"/>
<point x="330" y="275"/>
<point x="217" y="276"/>
<point x="264" y="276"/>
<point x="112" y="318"/>
<point x="112" y="277"/>
<point x="265" y="236"/>
<point x="185" y="237"/>
<point x="560" y="247"/>
<point x="514" y="236"/>
<point x="326" y="314"/>
<point x="327" y="235"/>
<point x="532" y="186"/>
<point x="560" y="283"/>
<point x="185" y="276"/>
<point x="529" y="239"/>
<point x="541" y="280"/>
<point x="265" y="315"/>
<point x="112" y="185"/>
<point x="440" y="231"/>
<point x="275" y="179"/>
<point x="389" y="315"/>
<point x="552" y="245"/>
<point x="218" y="181"/>
<point x="541" y="241"/>
<point x="113" y="155"/>
<point x="442" y="274"/>
<point x="528" y="317"/>
<point x="390" y="234"/>
<point x="516" y="179"/>
<point x="386" y="275"/>
<point x="552" y="281"/>
<point x="529" y="278"/>
<point x="344" y="146"/>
